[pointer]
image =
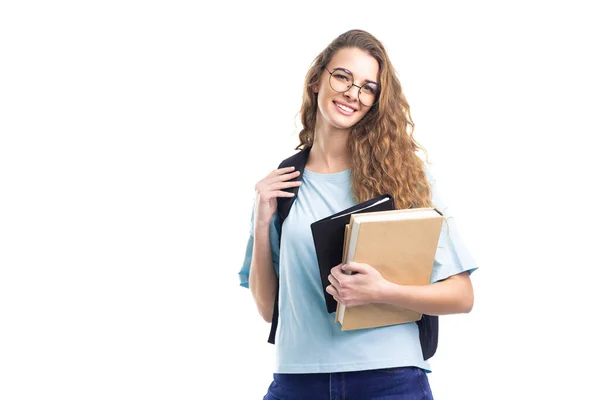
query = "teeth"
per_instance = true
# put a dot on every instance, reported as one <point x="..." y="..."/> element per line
<point x="348" y="109"/>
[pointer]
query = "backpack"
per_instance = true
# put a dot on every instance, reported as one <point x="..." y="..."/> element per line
<point x="428" y="324"/>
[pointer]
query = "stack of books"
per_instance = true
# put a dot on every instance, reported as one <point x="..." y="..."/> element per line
<point x="400" y="244"/>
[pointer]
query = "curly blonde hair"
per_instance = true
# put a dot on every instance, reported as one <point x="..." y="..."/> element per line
<point x="381" y="144"/>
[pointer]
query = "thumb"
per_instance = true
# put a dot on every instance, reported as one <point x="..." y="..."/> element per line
<point x="354" y="267"/>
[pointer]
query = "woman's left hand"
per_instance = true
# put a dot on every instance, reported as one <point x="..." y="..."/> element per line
<point x="362" y="287"/>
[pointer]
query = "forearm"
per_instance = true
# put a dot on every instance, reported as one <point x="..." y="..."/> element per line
<point x="263" y="280"/>
<point x="451" y="296"/>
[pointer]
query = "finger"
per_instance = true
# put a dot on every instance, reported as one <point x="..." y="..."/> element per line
<point x="265" y="187"/>
<point x="337" y="268"/>
<point x="283" y="185"/>
<point x="284" y="170"/>
<point x="336" y="298"/>
<point x="284" y="177"/>
<point x="281" y="193"/>
<point x="333" y="281"/>
<point x="332" y="291"/>
<point x="268" y="195"/>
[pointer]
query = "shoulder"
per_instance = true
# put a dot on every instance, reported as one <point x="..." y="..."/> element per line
<point x="296" y="160"/>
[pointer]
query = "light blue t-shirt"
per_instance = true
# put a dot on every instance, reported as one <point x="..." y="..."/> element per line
<point x="308" y="340"/>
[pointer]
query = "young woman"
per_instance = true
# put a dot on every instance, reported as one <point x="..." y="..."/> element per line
<point x="357" y="124"/>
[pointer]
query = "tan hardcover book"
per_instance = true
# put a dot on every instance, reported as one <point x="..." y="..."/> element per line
<point x="401" y="245"/>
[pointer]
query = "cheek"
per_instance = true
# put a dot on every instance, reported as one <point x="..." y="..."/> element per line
<point x="323" y="101"/>
<point x="364" y="112"/>
<point x="361" y="116"/>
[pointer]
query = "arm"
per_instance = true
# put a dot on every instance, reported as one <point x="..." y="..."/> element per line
<point x="453" y="295"/>
<point x="263" y="280"/>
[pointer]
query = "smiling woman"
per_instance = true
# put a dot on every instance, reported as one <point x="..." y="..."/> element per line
<point x="356" y="144"/>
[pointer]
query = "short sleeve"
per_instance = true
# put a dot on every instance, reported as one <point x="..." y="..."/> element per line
<point x="452" y="256"/>
<point x="244" y="274"/>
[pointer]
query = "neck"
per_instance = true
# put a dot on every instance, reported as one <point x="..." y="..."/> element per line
<point x="329" y="153"/>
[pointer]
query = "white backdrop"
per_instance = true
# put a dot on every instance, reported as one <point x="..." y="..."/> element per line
<point x="132" y="134"/>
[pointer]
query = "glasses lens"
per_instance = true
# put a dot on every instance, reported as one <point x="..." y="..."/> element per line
<point x="340" y="80"/>
<point x="368" y="94"/>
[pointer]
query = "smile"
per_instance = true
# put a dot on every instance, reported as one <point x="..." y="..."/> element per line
<point x="345" y="110"/>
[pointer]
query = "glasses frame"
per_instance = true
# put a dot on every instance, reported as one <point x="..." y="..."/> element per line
<point x="351" y="84"/>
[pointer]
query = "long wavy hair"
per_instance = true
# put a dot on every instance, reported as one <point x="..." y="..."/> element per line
<point x="381" y="144"/>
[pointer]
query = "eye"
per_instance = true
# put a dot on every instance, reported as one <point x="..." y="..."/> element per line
<point x="341" y="77"/>
<point x="370" y="89"/>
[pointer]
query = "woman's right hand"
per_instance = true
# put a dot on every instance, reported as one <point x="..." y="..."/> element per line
<point x="267" y="191"/>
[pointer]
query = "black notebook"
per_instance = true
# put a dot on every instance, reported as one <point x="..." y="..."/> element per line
<point x="328" y="236"/>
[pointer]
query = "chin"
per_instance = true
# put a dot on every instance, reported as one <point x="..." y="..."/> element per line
<point x="343" y="122"/>
<point x="336" y="123"/>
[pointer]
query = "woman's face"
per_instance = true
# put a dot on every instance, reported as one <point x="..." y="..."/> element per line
<point x="343" y="110"/>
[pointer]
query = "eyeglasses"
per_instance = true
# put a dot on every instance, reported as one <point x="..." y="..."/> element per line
<point x="341" y="80"/>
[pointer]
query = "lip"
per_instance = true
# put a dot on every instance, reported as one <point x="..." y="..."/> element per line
<point x="335" y="102"/>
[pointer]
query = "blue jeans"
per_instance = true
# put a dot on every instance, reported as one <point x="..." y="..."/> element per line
<point x="402" y="383"/>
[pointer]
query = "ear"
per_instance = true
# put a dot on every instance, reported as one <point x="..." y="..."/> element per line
<point x="315" y="88"/>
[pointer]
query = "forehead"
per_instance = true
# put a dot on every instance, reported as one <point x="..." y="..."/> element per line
<point x="359" y="62"/>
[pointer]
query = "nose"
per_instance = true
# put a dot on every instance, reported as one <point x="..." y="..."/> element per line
<point x="352" y="93"/>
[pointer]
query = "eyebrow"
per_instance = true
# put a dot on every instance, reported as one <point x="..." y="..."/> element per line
<point x="366" y="80"/>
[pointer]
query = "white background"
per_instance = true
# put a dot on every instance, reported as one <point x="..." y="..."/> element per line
<point x="132" y="134"/>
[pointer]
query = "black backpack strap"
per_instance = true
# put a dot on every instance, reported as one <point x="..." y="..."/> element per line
<point x="428" y="334"/>
<point x="284" y="205"/>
